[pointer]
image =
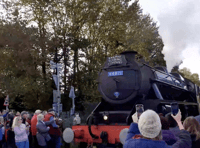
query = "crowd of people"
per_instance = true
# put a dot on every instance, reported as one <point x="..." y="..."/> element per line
<point x="149" y="130"/>
<point x="152" y="130"/>
<point x="25" y="130"/>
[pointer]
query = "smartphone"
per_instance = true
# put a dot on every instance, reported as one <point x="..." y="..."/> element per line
<point x="174" y="108"/>
<point x="139" y="109"/>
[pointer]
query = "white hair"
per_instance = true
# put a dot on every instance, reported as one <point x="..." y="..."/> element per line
<point x="38" y="111"/>
<point x="40" y="117"/>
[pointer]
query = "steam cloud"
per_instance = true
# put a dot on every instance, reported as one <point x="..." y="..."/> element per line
<point x="180" y="30"/>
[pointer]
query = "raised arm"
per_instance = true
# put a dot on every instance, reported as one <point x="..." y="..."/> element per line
<point x="133" y="130"/>
<point x="53" y="123"/>
<point x="184" y="140"/>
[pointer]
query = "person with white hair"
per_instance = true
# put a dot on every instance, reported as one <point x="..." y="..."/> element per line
<point x="54" y="131"/>
<point x="146" y="132"/>
<point x="20" y="130"/>
<point x="34" y="129"/>
<point x="42" y="135"/>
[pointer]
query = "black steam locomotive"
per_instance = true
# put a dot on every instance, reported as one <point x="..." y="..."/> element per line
<point x="123" y="83"/>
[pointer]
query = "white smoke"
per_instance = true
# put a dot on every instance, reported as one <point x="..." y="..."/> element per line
<point x="180" y="31"/>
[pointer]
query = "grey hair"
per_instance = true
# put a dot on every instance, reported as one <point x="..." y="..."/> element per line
<point x="40" y="117"/>
<point x="44" y="112"/>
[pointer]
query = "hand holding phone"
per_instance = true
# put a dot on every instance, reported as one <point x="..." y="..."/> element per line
<point x="139" y="109"/>
<point x="174" y="108"/>
<point x="135" y="117"/>
<point x="177" y="118"/>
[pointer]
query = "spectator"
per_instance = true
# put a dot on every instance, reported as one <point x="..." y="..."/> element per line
<point x="20" y="130"/>
<point x="172" y="125"/>
<point x="43" y="136"/>
<point x="54" y="131"/>
<point x="3" y="142"/>
<point x="5" y="113"/>
<point x="167" y="135"/>
<point x="28" y="121"/>
<point x="33" y="128"/>
<point x="17" y="114"/>
<point x="1" y="130"/>
<point x="149" y="126"/>
<point x="197" y="118"/>
<point x="192" y="126"/>
<point x="24" y="115"/>
<point x="44" y="113"/>
<point x="9" y="134"/>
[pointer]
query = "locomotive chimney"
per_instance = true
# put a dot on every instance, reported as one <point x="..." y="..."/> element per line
<point x="130" y="55"/>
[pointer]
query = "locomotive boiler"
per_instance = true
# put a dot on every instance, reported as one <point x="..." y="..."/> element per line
<point x="124" y="82"/>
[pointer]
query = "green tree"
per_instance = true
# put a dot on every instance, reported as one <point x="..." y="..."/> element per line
<point x="194" y="77"/>
<point x="21" y="66"/>
<point x="82" y="34"/>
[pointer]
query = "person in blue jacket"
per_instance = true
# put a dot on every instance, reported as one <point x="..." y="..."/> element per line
<point x="1" y="130"/>
<point x="147" y="133"/>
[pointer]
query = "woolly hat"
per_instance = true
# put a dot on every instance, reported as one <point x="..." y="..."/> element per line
<point x="149" y="124"/>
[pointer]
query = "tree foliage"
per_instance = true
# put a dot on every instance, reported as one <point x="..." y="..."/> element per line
<point x="194" y="77"/>
<point x="81" y="34"/>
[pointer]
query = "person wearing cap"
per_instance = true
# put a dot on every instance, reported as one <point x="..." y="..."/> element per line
<point x="147" y="133"/>
<point x="54" y="131"/>
<point x="24" y="116"/>
<point x="34" y="129"/>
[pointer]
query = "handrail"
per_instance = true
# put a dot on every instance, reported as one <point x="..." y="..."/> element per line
<point x="167" y="74"/>
<point x="89" y="128"/>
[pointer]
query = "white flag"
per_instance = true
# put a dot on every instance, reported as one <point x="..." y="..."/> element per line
<point x="72" y="94"/>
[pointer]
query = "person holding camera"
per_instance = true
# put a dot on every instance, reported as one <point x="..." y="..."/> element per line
<point x="20" y="130"/>
<point x="146" y="132"/>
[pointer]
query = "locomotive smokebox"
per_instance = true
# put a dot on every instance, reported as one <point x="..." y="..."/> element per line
<point x="120" y="78"/>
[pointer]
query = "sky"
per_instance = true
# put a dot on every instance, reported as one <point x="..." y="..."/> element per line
<point x="179" y="27"/>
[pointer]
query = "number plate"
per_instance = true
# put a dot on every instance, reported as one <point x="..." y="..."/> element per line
<point x="115" y="73"/>
<point x="114" y="60"/>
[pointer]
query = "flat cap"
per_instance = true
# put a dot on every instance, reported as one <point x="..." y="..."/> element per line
<point x="51" y="110"/>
